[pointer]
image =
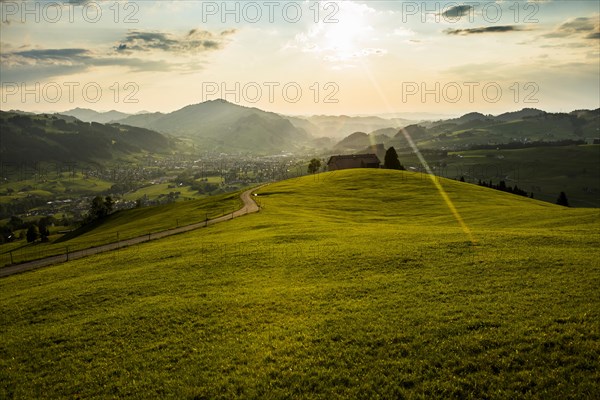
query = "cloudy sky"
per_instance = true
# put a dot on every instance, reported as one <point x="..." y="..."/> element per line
<point x="305" y="57"/>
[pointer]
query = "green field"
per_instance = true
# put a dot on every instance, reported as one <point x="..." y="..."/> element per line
<point x="545" y="171"/>
<point x="155" y="191"/>
<point x="124" y="225"/>
<point x="350" y="284"/>
<point x="61" y="185"/>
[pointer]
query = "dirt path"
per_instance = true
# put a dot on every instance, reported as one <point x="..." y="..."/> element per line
<point x="249" y="207"/>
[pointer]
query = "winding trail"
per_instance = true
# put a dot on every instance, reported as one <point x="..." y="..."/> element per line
<point x="249" y="207"/>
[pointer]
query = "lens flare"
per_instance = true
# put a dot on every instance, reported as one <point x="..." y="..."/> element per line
<point x="439" y="187"/>
<point x="423" y="162"/>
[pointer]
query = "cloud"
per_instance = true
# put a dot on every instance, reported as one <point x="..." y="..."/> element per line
<point x="194" y="41"/>
<point x="567" y="45"/>
<point x="457" y="12"/>
<point x="362" y="53"/>
<point x="581" y="32"/>
<point x="39" y="64"/>
<point x="403" y="32"/>
<point x="487" y="29"/>
<point x="587" y="26"/>
<point x="28" y="62"/>
<point x="55" y="57"/>
<point x="352" y="37"/>
<point x="229" y="32"/>
<point x="593" y="35"/>
<point x="78" y="2"/>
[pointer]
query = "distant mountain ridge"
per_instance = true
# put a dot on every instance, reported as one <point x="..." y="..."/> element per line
<point x="218" y="125"/>
<point x="224" y="126"/>
<point x="339" y="126"/>
<point x="56" y="138"/>
<point x="88" y="115"/>
<point x="475" y="129"/>
<point x="361" y="140"/>
<point x="524" y="113"/>
<point x="216" y="122"/>
<point x="507" y="116"/>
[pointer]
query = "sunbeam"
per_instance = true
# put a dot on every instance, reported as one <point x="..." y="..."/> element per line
<point x="422" y="160"/>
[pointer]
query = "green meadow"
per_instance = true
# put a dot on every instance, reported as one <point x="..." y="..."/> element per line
<point x="347" y="284"/>
<point x="63" y="185"/>
<point x="155" y="191"/>
<point x="122" y="225"/>
<point x="545" y="171"/>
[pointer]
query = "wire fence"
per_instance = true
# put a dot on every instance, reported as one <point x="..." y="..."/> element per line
<point x="39" y="251"/>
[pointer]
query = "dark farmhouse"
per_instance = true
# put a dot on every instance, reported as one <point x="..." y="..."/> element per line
<point x="353" y="161"/>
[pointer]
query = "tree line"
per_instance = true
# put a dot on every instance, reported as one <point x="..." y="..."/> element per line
<point x="525" y="145"/>
<point x="100" y="208"/>
<point x="503" y="188"/>
<point x="33" y="230"/>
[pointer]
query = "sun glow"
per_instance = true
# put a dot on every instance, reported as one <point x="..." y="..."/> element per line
<point x="347" y="36"/>
<point x="343" y="37"/>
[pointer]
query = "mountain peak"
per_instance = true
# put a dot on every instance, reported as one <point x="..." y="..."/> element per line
<point x="217" y="123"/>
<point x="472" y="115"/>
<point x="219" y="101"/>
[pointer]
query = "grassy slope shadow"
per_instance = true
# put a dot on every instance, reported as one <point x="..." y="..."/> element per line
<point x="83" y="229"/>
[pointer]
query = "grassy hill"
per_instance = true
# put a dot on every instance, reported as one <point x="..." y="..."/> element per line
<point x="544" y="171"/>
<point x="354" y="284"/>
<point x="359" y="141"/>
<point x="123" y="225"/>
<point x="54" y="138"/>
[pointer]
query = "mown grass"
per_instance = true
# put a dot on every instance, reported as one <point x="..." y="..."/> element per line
<point x="355" y="284"/>
<point x="125" y="225"/>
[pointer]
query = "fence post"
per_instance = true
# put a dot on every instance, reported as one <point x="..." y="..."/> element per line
<point x="67" y="253"/>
